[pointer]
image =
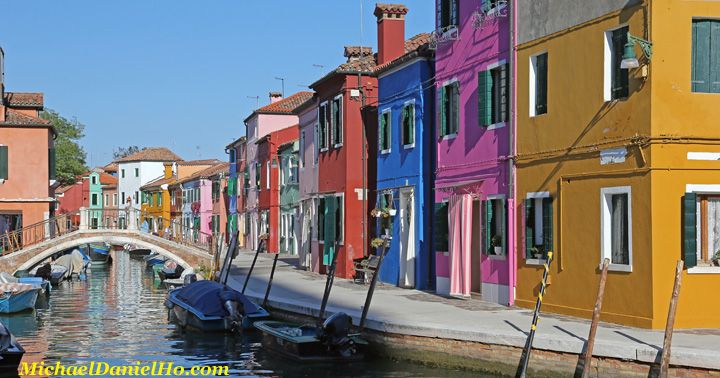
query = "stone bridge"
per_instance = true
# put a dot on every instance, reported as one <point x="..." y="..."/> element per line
<point x="40" y="243"/>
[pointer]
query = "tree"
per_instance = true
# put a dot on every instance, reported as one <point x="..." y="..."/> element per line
<point x="121" y="152"/>
<point x="69" y="156"/>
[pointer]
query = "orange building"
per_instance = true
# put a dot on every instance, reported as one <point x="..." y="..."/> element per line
<point x="27" y="160"/>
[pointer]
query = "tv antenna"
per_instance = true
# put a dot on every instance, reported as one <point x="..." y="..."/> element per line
<point x="257" y="100"/>
<point x="282" y="79"/>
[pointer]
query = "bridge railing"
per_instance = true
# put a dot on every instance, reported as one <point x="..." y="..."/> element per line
<point x="30" y="235"/>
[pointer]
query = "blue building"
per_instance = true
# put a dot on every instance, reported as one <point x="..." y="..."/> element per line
<point x="405" y="165"/>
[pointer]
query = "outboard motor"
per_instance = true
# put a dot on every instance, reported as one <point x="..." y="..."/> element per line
<point x="234" y="308"/>
<point x="44" y="271"/>
<point x="189" y="278"/>
<point x="334" y="334"/>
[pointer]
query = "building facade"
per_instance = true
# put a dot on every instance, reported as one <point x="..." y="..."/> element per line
<point x="405" y="157"/>
<point x="289" y="201"/>
<point x="473" y="197"/>
<point x="308" y="161"/>
<point x="236" y="185"/>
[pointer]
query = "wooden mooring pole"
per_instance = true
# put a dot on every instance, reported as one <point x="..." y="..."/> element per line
<point x="272" y="274"/>
<point x="525" y="357"/>
<point x="669" y="326"/>
<point x="587" y="358"/>
<point x="252" y="266"/>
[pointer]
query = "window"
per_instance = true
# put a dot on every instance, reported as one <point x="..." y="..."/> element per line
<point x="321" y="219"/>
<point x="706" y="56"/>
<point x="267" y="175"/>
<point x="122" y="173"/>
<point x="493" y="96"/>
<point x="232" y="156"/>
<point x="385" y="132"/>
<point x="4" y="163"/>
<point x="616" y="78"/>
<point x="107" y="202"/>
<point x="495" y="227"/>
<point x="292" y="171"/>
<point x="323" y="130"/>
<point x="114" y="199"/>
<point x="257" y="175"/>
<point x="302" y="148"/>
<point x="52" y="163"/>
<point x="408" y="125"/>
<point x="449" y="109"/>
<point x="158" y="199"/>
<point x="538" y="84"/>
<point x="315" y="140"/>
<point x="93" y="180"/>
<point x="489" y="6"/>
<point x="123" y="198"/>
<point x="385" y="202"/>
<point x="538" y="226"/>
<point x="448" y="13"/>
<point x="441" y="226"/>
<point x="616" y="227"/>
<point x="215" y="190"/>
<point x="336" y="119"/>
<point x="94" y="199"/>
<point x="339" y="218"/>
<point x="137" y="172"/>
<point x="701" y="227"/>
<point x="137" y="197"/>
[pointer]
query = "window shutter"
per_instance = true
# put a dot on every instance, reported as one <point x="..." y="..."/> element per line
<point x="330" y="225"/>
<point x="715" y="56"/>
<point x="488" y="224"/>
<point x="455" y="88"/>
<point x="411" y="122"/>
<point x="4" y="163"/>
<point x="504" y="92"/>
<point x="529" y="227"/>
<point x="443" y="112"/>
<point x="382" y="131"/>
<point x="488" y="120"/>
<point x="690" y="229"/>
<point x="441" y="227"/>
<point x="547" y="224"/>
<point x="51" y="163"/>
<point x="504" y="227"/>
<point x="701" y="56"/>
<point x="482" y="98"/>
<point x="620" y="77"/>
<point x="541" y="90"/>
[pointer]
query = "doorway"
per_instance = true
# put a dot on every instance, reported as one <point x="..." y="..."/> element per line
<point x="407" y="239"/>
<point x="476" y="250"/>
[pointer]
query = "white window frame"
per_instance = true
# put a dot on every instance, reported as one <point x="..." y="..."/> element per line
<point x="115" y="197"/>
<point x="537" y="196"/>
<point x="607" y="62"/>
<point x="267" y="175"/>
<point x="532" y="81"/>
<point x="402" y="131"/>
<point x="382" y="114"/>
<point x="94" y="198"/>
<point x="702" y="189"/>
<point x="445" y="84"/>
<point x="323" y="106"/>
<point x="506" y="214"/>
<point x="606" y="225"/>
<point x="490" y="67"/>
<point x="301" y="143"/>
<point x="332" y="120"/>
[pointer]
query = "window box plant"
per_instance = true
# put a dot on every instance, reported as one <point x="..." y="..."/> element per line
<point x="496" y="243"/>
<point x="716" y="258"/>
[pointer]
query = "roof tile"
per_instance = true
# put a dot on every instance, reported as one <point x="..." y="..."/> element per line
<point x="287" y="105"/>
<point x="151" y="154"/>
<point x="19" y="99"/>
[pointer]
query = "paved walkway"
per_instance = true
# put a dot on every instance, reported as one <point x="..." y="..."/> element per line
<point x="418" y="313"/>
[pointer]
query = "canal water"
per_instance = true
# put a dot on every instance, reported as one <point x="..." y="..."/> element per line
<point x="117" y="316"/>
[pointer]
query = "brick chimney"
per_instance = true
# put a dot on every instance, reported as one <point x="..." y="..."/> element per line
<point x="390" y="31"/>
<point x="275" y="97"/>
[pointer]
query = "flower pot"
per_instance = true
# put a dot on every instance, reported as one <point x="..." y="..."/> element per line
<point x="498" y="250"/>
<point x="392" y="212"/>
<point x="716" y="262"/>
<point x="539" y="256"/>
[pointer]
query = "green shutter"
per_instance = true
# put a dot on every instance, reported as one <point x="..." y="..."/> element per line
<point x="547" y="210"/>
<point x="488" y="103"/>
<point x="443" y="112"/>
<point x="715" y="56"/>
<point x="455" y="88"/>
<point x="383" y="125"/>
<point x="701" y="56"/>
<point x="529" y="227"/>
<point x="51" y="163"/>
<point x="330" y="225"/>
<point x="488" y="224"/>
<point x="441" y="227"/>
<point x="504" y="94"/>
<point x="4" y="163"/>
<point x="411" y="123"/>
<point x="690" y="229"/>
<point x="482" y="98"/>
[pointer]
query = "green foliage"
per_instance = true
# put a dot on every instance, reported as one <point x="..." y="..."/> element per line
<point x="121" y="152"/>
<point x="70" y="157"/>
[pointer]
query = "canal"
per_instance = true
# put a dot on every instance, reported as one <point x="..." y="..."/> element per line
<point x="117" y="316"/>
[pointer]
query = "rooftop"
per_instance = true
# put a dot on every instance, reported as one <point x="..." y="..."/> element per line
<point x="415" y="46"/>
<point x="151" y="154"/>
<point x="23" y="100"/>
<point x="286" y="105"/>
<point x="16" y="118"/>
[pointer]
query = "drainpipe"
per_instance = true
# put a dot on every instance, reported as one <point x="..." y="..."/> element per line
<point x="512" y="190"/>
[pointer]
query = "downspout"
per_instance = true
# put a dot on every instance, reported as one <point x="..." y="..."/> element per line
<point x="512" y="190"/>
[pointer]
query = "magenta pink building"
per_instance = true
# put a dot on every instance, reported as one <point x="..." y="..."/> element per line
<point x="473" y="189"/>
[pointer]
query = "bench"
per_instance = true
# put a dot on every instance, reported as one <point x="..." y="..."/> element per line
<point x="365" y="268"/>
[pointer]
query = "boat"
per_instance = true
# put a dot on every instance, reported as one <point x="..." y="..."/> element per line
<point x="99" y="253"/>
<point x="11" y="352"/>
<point x="50" y="272"/>
<point x="153" y="259"/>
<point x="186" y="278"/>
<point x="330" y="340"/>
<point x="16" y="297"/>
<point x="213" y="306"/>
<point x="138" y="253"/>
<point x="76" y="263"/>
<point x="170" y="270"/>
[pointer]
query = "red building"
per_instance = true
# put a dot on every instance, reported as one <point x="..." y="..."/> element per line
<point x="269" y="191"/>
<point x="346" y="167"/>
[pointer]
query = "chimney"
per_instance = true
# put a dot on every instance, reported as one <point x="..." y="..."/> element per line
<point x="390" y="31"/>
<point x="275" y="97"/>
<point x="2" y="85"/>
<point x="168" y="169"/>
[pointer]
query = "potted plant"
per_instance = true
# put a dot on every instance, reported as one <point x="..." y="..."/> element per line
<point x="496" y="242"/>
<point x="377" y="242"/>
<point x="716" y="258"/>
<point x="537" y="252"/>
<point x="390" y="212"/>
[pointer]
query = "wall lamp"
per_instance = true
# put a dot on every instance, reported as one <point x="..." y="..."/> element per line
<point x="629" y="59"/>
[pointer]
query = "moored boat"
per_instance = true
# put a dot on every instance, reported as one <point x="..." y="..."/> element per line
<point x="153" y="259"/>
<point x="11" y="352"/>
<point x="99" y="253"/>
<point x="16" y="297"/>
<point x="170" y="270"/>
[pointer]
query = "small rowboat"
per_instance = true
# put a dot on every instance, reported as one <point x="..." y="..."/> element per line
<point x="16" y="297"/>
<point x="11" y="352"/>
<point x="170" y="270"/>
<point x="153" y="259"/>
<point x="99" y="252"/>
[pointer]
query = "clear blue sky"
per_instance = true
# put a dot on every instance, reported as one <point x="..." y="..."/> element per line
<point x="177" y="73"/>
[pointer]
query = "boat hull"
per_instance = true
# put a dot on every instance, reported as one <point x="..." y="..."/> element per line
<point x="99" y="254"/>
<point x="305" y="346"/>
<point x="10" y="361"/>
<point x="19" y="302"/>
<point x="139" y="253"/>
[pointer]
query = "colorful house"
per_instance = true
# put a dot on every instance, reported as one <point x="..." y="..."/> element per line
<point x="347" y="121"/>
<point x="27" y="160"/>
<point x="308" y="184"/>
<point x="136" y="170"/>
<point x="617" y="157"/>
<point x="279" y="114"/>
<point x="93" y="199"/>
<point x="197" y="198"/>
<point x="289" y="201"/>
<point x="405" y="157"/>
<point x="269" y="190"/>
<point x="473" y="187"/>
<point x="236" y="185"/>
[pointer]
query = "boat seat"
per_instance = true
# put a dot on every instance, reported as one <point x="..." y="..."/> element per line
<point x="365" y="268"/>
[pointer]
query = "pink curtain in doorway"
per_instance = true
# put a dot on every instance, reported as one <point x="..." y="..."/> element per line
<point x="460" y="229"/>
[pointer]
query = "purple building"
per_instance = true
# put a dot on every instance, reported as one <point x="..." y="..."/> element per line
<point x="474" y="203"/>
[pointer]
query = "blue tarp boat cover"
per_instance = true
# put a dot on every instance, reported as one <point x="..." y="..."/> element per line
<point x="208" y="297"/>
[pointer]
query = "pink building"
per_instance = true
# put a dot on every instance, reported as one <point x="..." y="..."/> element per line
<point x="474" y="198"/>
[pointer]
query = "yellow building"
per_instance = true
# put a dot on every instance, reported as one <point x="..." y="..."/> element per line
<point x="623" y="164"/>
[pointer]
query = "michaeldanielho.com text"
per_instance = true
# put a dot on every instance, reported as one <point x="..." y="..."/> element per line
<point x="137" y="369"/>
